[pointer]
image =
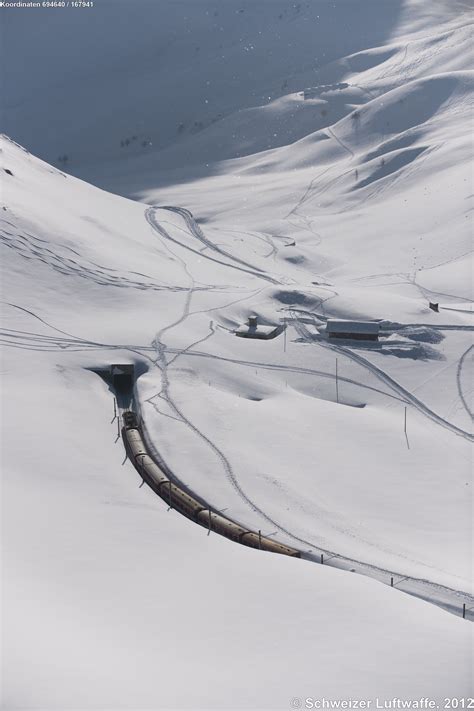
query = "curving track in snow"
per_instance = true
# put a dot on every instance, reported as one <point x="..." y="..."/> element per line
<point x="405" y="394"/>
<point x="197" y="232"/>
<point x="150" y="217"/>
<point x="459" y="381"/>
<point x="448" y="598"/>
<point x="443" y="596"/>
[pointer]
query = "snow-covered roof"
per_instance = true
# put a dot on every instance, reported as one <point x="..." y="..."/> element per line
<point x="336" y="325"/>
<point x="260" y="329"/>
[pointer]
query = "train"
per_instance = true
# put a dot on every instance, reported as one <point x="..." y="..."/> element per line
<point x="184" y="502"/>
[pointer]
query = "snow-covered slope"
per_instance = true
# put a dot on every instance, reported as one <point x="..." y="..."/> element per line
<point x="101" y="583"/>
<point x="350" y="203"/>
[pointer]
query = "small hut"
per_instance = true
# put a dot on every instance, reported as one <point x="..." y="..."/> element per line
<point x="252" y="330"/>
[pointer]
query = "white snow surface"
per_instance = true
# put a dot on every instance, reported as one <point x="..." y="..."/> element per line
<point x="237" y="197"/>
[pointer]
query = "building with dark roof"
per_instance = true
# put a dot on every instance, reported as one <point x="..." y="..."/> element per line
<point x="353" y="330"/>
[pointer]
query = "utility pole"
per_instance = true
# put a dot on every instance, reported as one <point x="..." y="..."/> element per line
<point x="405" y="428"/>
<point x="141" y="473"/>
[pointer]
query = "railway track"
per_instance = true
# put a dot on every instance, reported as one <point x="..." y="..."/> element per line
<point x="186" y="503"/>
<point x="157" y="475"/>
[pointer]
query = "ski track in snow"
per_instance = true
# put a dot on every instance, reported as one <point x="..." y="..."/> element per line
<point x="165" y="390"/>
<point x="341" y="143"/>
<point x="448" y="598"/>
<point x="165" y="395"/>
<point x="29" y="247"/>
<point x="427" y="588"/>
<point x="459" y="381"/>
<point x="406" y="395"/>
<point x="151" y="219"/>
<point x="197" y="232"/>
<point x="260" y="236"/>
<point x="40" y="342"/>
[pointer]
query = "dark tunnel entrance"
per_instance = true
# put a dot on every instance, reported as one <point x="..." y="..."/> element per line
<point x="123" y="379"/>
<point x="120" y="377"/>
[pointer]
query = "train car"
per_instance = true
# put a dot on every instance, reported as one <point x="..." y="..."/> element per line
<point x="220" y="524"/>
<point x="185" y="503"/>
<point x="130" y="420"/>
<point x="274" y="547"/>
<point x="254" y="540"/>
<point x="134" y="444"/>
<point x="148" y="468"/>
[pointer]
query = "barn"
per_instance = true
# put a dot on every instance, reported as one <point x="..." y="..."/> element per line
<point x="353" y="330"/>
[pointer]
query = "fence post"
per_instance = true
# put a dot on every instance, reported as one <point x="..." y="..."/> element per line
<point x="141" y="472"/>
<point x="322" y="559"/>
<point x="210" y="522"/>
<point x="464" y="610"/>
<point x="260" y="539"/>
<point x="391" y="582"/>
